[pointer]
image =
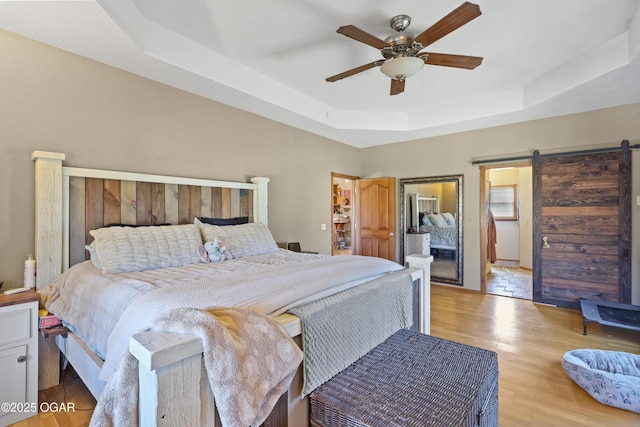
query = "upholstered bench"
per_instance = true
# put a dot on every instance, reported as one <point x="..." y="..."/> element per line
<point x="412" y="379"/>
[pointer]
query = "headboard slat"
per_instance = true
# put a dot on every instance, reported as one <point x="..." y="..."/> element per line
<point x="226" y="203"/>
<point x="184" y="204"/>
<point x="195" y="205"/>
<point x="205" y="197"/>
<point x="171" y="203"/>
<point x="93" y="205"/>
<point x="216" y="202"/>
<point x="158" y="215"/>
<point x="143" y="203"/>
<point x="77" y="233"/>
<point x="112" y="195"/>
<point x="246" y="204"/>
<point x="235" y="203"/>
<point x="128" y="202"/>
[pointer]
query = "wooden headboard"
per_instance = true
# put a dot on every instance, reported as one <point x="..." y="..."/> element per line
<point x="72" y="201"/>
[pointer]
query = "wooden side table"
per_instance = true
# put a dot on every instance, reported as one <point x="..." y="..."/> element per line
<point x="18" y="356"/>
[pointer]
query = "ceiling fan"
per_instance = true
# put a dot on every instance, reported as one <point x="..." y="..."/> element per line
<point x="402" y="52"/>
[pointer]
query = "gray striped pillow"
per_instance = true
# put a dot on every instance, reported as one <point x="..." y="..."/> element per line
<point x="243" y="240"/>
<point x="124" y="249"/>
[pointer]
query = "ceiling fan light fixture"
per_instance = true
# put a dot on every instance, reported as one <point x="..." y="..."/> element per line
<point x="402" y="68"/>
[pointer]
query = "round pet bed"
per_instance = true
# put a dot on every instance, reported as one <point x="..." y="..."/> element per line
<point x="610" y="377"/>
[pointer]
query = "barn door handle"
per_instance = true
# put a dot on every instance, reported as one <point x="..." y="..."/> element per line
<point x="545" y="244"/>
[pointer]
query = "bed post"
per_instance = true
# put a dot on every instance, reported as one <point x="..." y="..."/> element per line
<point x="170" y="374"/>
<point x="261" y="200"/>
<point x="48" y="225"/>
<point x="422" y="264"/>
<point x="48" y="249"/>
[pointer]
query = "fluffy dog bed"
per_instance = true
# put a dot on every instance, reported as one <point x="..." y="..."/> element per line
<point x="610" y="377"/>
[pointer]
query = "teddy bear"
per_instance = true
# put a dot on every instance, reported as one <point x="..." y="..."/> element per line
<point x="214" y="251"/>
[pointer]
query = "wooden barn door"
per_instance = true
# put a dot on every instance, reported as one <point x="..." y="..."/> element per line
<point x="582" y="228"/>
<point x="375" y="217"/>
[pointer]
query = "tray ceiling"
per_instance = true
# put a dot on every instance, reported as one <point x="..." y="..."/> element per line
<point x="541" y="58"/>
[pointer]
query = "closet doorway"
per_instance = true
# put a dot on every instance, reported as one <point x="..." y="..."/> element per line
<point x="342" y="213"/>
<point x="507" y="230"/>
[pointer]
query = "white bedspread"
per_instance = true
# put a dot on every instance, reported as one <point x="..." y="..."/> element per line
<point x="443" y="237"/>
<point x="105" y="310"/>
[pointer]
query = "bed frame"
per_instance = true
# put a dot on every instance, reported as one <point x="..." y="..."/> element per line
<point x="72" y="201"/>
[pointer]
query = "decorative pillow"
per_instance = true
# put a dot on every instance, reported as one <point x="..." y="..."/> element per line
<point x="124" y="249"/>
<point x="449" y="218"/>
<point x="208" y="232"/>
<point x="225" y="221"/>
<point x="244" y="240"/>
<point x="426" y="221"/>
<point x="93" y="255"/>
<point x="437" y="220"/>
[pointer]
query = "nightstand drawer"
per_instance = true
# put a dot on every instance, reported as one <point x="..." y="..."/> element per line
<point x="15" y="324"/>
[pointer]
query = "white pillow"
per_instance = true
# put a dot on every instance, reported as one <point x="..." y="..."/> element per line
<point x="449" y="218"/>
<point x="93" y="254"/>
<point x="243" y="240"/>
<point x="124" y="249"/>
<point x="437" y="220"/>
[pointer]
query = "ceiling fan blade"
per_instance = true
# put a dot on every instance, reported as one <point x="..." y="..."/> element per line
<point x="457" y="61"/>
<point x="362" y="36"/>
<point x="454" y="20"/>
<point x="397" y="86"/>
<point x="355" y="70"/>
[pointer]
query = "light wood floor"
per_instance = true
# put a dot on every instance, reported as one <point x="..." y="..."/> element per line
<point x="529" y="339"/>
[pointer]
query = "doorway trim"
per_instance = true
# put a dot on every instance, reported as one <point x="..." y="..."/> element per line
<point x="353" y="206"/>
<point x="484" y="208"/>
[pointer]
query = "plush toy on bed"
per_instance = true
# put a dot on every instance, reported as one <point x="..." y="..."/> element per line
<point x="214" y="251"/>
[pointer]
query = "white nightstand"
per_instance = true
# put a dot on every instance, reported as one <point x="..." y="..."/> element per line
<point x="18" y="356"/>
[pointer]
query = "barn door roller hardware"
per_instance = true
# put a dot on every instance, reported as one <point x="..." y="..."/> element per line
<point x="624" y="147"/>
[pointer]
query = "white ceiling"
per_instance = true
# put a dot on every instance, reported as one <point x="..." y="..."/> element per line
<point x="542" y="58"/>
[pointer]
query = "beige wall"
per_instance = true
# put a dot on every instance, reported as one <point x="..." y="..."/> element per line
<point x="105" y="118"/>
<point x="101" y="117"/>
<point x="578" y="130"/>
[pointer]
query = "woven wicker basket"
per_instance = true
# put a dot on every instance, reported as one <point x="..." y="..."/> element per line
<point x="412" y="379"/>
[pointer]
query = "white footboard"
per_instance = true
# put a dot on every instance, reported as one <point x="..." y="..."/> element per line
<point x="171" y="368"/>
<point x="172" y="383"/>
